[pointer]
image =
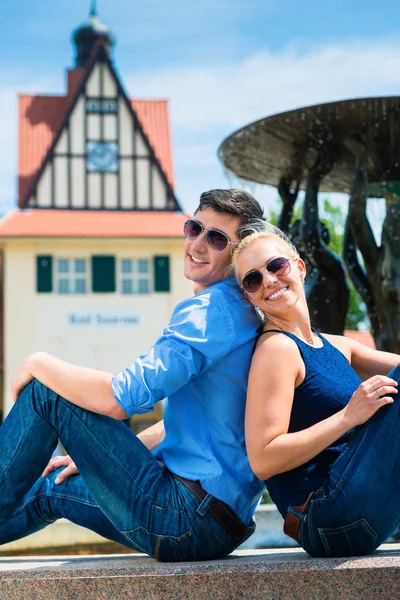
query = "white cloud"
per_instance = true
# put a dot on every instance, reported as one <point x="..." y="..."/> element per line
<point x="230" y="95"/>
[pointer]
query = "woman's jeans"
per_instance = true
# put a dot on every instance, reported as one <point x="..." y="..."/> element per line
<point x="359" y="506"/>
<point x="122" y="492"/>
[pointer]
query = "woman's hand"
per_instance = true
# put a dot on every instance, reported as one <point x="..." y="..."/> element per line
<point x="61" y="461"/>
<point x="369" y="397"/>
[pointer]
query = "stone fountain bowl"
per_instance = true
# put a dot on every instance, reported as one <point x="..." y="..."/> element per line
<point x="286" y="144"/>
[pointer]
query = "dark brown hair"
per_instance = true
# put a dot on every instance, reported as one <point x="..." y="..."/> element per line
<point x="238" y="203"/>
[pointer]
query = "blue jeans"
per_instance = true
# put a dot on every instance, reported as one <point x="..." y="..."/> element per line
<point x="358" y="507"/>
<point x="122" y="492"/>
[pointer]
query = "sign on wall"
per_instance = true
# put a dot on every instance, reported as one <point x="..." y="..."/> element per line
<point x="103" y="318"/>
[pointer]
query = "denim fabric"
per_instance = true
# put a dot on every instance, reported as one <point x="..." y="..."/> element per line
<point x="122" y="492"/>
<point x="201" y="363"/>
<point x="358" y="506"/>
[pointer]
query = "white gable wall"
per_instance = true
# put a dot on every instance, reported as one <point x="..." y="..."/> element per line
<point x="101" y="122"/>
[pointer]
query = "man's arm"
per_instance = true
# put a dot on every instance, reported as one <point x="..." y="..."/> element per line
<point x="84" y="387"/>
<point x="191" y="343"/>
<point x="152" y="436"/>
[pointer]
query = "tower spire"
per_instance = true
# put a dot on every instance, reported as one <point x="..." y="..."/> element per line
<point x="93" y="8"/>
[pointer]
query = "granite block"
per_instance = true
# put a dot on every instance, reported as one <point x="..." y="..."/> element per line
<point x="264" y="574"/>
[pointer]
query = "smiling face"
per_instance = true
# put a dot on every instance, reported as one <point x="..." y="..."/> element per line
<point x="204" y="266"/>
<point x="278" y="293"/>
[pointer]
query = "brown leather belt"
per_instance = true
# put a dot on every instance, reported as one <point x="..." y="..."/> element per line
<point x="291" y="525"/>
<point x="221" y="511"/>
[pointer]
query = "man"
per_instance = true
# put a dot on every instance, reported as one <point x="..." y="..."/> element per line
<point x="194" y="497"/>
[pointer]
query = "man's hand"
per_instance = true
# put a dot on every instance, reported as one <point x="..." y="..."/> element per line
<point x="61" y="461"/>
<point x="21" y="379"/>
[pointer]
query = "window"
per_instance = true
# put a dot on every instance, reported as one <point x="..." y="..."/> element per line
<point x="100" y="105"/>
<point x="135" y="276"/>
<point x="71" y="275"/>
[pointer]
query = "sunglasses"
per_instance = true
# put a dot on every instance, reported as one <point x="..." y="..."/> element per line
<point x="216" y="240"/>
<point x="277" y="266"/>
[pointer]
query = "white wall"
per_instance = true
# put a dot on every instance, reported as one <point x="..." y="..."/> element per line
<point x="41" y="321"/>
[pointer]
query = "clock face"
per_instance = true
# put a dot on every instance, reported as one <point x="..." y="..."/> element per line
<point x="102" y="156"/>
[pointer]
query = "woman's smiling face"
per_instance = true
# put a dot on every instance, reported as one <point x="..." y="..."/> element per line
<point x="277" y="291"/>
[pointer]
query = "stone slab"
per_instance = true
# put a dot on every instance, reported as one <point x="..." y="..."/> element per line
<point x="264" y="574"/>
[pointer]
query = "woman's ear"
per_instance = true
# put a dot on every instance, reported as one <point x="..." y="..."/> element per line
<point x="302" y="268"/>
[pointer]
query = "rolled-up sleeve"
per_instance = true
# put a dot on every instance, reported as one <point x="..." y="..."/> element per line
<point x="199" y="334"/>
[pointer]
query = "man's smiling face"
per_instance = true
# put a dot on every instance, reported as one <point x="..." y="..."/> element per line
<point x="204" y="266"/>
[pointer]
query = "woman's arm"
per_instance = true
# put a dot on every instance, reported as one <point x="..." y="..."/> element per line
<point x="365" y="361"/>
<point x="275" y="371"/>
<point x="87" y="388"/>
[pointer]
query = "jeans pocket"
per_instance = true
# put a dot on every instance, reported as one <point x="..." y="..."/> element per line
<point x="355" y="539"/>
<point x="165" y="548"/>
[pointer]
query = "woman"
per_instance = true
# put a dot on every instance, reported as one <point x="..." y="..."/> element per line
<point x="322" y="422"/>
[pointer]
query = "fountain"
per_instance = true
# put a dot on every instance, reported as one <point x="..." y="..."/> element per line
<point x="352" y="147"/>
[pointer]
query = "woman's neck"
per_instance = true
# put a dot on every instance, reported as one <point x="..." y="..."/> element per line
<point x="301" y="327"/>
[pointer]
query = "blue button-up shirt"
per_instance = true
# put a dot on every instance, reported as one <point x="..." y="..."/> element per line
<point x="200" y="365"/>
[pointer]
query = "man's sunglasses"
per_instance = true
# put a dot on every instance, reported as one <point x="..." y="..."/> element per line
<point x="216" y="240"/>
<point x="277" y="266"/>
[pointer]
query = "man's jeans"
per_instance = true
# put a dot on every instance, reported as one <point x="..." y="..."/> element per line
<point x="122" y="492"/>
<point x="359" y="506"/>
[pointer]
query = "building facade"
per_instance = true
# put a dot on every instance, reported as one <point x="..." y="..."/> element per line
<point x="92" y="257"/>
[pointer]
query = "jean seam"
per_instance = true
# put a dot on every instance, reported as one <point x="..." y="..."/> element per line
<point x="19" y="445"/>
<point x="137" y="545"/>
<point x="54" y="495"/>
<point x="83" y="424"/>
<point x="214" y="535"/>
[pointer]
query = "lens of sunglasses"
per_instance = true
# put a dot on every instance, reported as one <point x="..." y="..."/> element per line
<point x="252" y="282"/>
<point x="192" y="229"/>
<point x="278" y="266"/>
<point x="217" y="240"/>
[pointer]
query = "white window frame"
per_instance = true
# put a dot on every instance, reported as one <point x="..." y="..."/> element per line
<point x="71" y="276"/>
<point x="134" y="276"/>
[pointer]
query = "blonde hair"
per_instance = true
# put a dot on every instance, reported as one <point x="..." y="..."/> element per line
<point x="257" y="230"/>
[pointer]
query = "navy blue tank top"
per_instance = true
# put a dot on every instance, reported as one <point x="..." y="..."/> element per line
<point x="328" y="386"/>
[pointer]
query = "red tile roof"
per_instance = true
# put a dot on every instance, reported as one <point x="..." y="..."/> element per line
<point x="41" y="116"/>
<point x="365" y="337"/>
<point x="93" y="223"/>
<point x="153" y="116"/>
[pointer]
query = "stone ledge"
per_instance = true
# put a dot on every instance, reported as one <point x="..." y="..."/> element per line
<point x="263" y="574"/>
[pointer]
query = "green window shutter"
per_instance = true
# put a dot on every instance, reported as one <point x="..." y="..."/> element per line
<point x="44" y="274"/>
<point x="103" y="274"/>
<point x="161" y="273"/>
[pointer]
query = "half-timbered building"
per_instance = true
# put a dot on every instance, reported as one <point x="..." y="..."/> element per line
<point x="92" y="256"/>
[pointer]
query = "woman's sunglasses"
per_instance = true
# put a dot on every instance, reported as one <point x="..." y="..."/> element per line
<point x="216" y="240"/>
<point x="277" y="266"/>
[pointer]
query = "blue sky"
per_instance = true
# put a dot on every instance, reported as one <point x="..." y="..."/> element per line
<point x="221" y="64"/>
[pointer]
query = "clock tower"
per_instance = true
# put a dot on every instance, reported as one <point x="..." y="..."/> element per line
<point x="102" y="156"/>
